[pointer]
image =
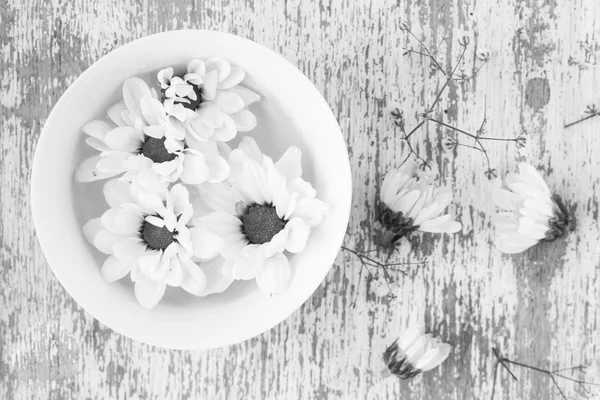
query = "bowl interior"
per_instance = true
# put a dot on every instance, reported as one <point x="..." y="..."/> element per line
<point x="291" y="112"/>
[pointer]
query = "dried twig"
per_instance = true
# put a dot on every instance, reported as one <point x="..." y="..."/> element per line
<point x="368" y="262"/>
<point x="591" y="112"/>
<point x="451" y="78"/>
<point x="553" y="374"/>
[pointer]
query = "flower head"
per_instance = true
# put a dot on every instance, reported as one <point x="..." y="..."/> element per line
<point x="414" y="352"/>
<point x="532" y="213"/>
<point x="147" y="146"/>
<point x="149" y="236"/>
<point x="266" y="211"/>
<point x="209" y="99"/>
<point x="408" y="204"/>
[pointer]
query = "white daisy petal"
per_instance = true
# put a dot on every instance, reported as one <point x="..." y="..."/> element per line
<point x="115" y="113"/>
<point x="290" y="164"/>
<point x="125" y="139"/>
<point x="512" y="244"/>
<point x="227" y="131"/>
<point x="206" y="244"/>
<point x="216" y="282"/>
<point x="91" y="229"/>
<point x="235" y="77"/>
<point x="96" y="144"/>
<point x="229" y="102"/>
<point x="244" y="120"/>
<point x="445" y="223"/>
<point x="105" y="241"/>
<point x="113" y="162"/>
<point x="193" y="278"/>
<point x="532" y="177"/>
<point x="209" y="85"/>
<point x="122" y="220"/>
<point x="174" y="276"/>
<point x="298" y="236"/>
<point x="131" y="247"/>
<point x="149" y="262"/>
<point x="248" y="96"/>
<point x="222" y="67"/>
<point x="148" y="293"/>
<point x="218" y="169"/>
<point x="88" y="172"/>
<point x="195" y="170"/>
<point x="114" y="269"/>
<point x="275" y="275"/>
<point x="311" y="211"/>
<point x="134" y="89"/>
<point x="244" y="268"/>
<point x="433" y="357"/>
<point x="97" y="129"/>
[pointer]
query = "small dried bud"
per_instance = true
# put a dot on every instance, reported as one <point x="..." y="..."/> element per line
<point x="491" y="173"/>
<point x="521" y="142"/>
<point x="414" y="352"/>
<point x="403" y="26"/>
<point x="483" y="55"/>
<point x="464" y="41"/>
<point x="449" y="142"/>
<point x="591" y="109"/>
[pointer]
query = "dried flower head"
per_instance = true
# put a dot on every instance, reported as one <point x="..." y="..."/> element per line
<point x="414" y="352"/>
<point x="532" y="213"/>
<point x="408" y="204"/>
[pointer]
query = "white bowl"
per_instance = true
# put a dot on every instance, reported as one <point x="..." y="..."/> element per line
<point x="291" y="112"/>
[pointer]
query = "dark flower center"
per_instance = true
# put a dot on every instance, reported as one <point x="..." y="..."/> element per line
<point x="261" y="223"/>
<point x="193" y="104"/>
<point x="396" y="226"/>
<point x="561" y="223"/>
<point x="157" y="238"/>
<point x="397" y="363"/>
<point x="155" y="150"/>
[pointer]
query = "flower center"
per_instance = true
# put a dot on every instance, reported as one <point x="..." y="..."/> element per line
<point x="396" y="225"/>
<point x="157" y="238"/>
<point x="193" y="104"/>
<point x="261" y="223"/>
<point x="562" y="221"/>
<point x="155" y="150"/>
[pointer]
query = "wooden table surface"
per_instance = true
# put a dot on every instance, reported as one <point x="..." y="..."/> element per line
<point x="538" y="307"/>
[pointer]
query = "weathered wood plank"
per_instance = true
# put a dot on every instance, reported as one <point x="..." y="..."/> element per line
<point x="539" y="307"/>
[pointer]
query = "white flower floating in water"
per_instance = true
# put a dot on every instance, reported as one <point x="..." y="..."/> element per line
<point x="408" y="204"/>
<point x="209" y="99"/>
<point x="250" y="212"/>
<point x="267" y="211"/>
<point x="149" y="237"/>
<point x="147" y="146"/>
<point x="414" y="352"/>
<point x="532" y="213"/>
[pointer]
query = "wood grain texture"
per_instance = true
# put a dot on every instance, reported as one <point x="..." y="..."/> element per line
<point x="539" y="307"/>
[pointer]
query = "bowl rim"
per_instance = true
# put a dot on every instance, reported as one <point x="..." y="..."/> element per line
<point x="38" y="208"/>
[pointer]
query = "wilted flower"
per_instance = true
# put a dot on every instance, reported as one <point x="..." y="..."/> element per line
<point x="266" y="212"/>
<point x="414" y="352"/>
<point x="533" y="212"/>
<point x="148" y="236"/>
<point x="408" y="205"/>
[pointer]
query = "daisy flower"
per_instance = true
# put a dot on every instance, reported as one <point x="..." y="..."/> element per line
<point x="408" y="204"/>
<point x="148" y="236"/>
<point x="532" y="213"/>
<point x="266" y="212"/>
<point x="414" y="352"/>
<point x="209" y="99"/>
<point x="146" y="146"/>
